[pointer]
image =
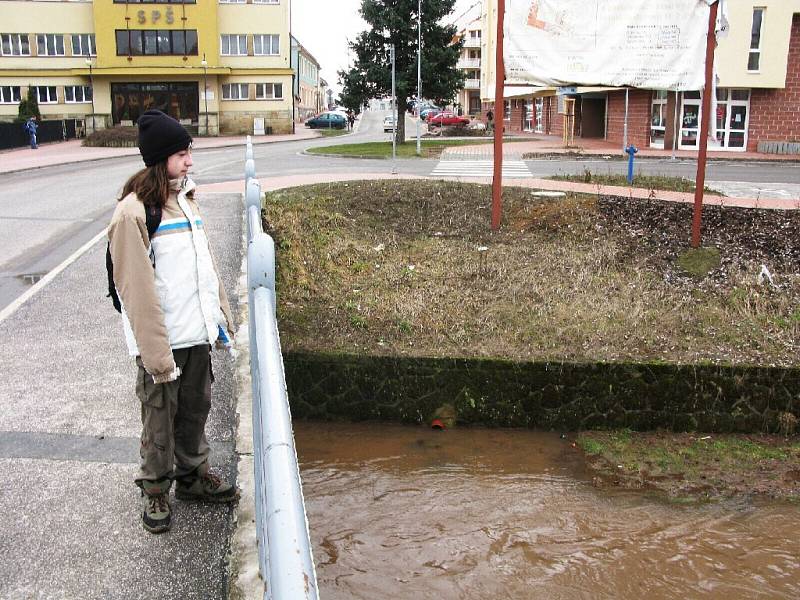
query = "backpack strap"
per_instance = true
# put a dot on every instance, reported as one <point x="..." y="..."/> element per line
<point x="153" y="218"/>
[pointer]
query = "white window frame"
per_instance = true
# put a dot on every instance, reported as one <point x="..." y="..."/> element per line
<point x="232" y="1"/>
<point x="49" y="41"/>
<point x="659" y="99"/>
<point x="91" y="48"/>
<point x="239" y="38"/>
<point x="261" y="39"/>
<point x="228" y="88"/>
<point x="10" y="94"/>
<point x="757" y="50"/>
<point x="85" y="98"/>
<point x="506" y="110"/>
<point x="266" y="2"/>
<point x="11" y="38"/>
<point x="261" y="91"/>
<point x="49" y="99"/>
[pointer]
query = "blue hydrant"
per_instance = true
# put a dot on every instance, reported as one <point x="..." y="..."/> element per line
<point x="631" y="151"/>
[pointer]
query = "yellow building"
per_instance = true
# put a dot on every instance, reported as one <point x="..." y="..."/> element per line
<point x="217" y="66"/>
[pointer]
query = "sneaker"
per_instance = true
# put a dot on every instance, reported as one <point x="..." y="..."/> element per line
<point x="206" y="488"/>
<point x="156" y="516"/>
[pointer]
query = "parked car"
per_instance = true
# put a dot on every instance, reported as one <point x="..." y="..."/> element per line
<point x="327" y="120"/>
<point x="388" y="123"/>
<point x="447" y="118"/>
<point x="426" y="113"/>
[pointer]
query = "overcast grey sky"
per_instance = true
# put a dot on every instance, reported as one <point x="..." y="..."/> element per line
<point x="325" y="28"/>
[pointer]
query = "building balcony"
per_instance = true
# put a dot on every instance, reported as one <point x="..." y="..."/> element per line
<point x="472" y="84"/>
<point x="469" y="63"/>
<point x="472" y="42"/>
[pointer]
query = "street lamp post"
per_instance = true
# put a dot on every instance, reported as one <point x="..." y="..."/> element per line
<point x="394" y="114"/>
<point x="91" y="86"/>
<point x="204" y="62"/>
<point x="419" y="72"/>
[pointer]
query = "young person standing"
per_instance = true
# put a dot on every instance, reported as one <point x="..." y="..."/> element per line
<point x="174" y="310"/>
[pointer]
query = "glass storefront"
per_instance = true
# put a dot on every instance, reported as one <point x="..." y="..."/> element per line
<point x="179" y="100"/>
<point x="729" y="128"/>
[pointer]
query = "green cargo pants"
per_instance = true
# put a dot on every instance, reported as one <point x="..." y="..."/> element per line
<point x="174" y="414"/>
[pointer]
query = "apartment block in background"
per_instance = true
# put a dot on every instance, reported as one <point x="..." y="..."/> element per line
<point x="308" y="100"/>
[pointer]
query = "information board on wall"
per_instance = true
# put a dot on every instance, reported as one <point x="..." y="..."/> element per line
<point x="654" y="44"/>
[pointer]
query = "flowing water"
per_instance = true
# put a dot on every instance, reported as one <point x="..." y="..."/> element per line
<point x="404" y="512"/>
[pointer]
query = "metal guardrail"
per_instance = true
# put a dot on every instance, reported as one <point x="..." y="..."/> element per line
<point x="284" y="547"/>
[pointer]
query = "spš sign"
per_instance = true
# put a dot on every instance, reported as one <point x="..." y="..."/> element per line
<point x="155" y="16"/>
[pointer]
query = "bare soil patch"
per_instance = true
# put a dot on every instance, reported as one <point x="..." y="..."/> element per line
<point x="397" y="267"/>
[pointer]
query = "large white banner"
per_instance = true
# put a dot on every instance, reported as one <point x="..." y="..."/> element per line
<point x="654" y="44"/>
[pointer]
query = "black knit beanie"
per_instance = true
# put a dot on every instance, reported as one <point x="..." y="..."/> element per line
<point x="160" y="136"/>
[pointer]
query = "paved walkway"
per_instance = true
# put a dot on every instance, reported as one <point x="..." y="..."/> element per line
<point x="58" y="153"/>
<point x="551" y="145"/>
<point x="276" y="183"/>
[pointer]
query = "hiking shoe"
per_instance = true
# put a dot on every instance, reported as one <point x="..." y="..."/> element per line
<point x="206" y="488"/>
<point x="156" y="516"/>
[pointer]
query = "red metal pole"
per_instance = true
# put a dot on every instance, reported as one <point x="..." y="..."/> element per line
<point x="706" y="116"/>
<point x="499" y="119"/>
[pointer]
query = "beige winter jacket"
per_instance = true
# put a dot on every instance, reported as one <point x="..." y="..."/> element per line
<point x="172" y="297"/>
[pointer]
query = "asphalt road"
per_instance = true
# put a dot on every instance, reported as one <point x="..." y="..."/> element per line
<point x="47" y="214"/>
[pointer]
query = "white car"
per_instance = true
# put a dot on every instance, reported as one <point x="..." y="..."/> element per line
<point x="388" y="123"/>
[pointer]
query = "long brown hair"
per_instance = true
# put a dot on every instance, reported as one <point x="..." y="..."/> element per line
<point x="151" y="185"/>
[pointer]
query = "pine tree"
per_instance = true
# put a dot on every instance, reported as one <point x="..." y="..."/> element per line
<point x="29" y="107"/>
<point x="395" y="22"/>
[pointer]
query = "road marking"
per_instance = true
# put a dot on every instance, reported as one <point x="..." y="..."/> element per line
<point x="12" y="308"/>
<point x="479" y="168"/>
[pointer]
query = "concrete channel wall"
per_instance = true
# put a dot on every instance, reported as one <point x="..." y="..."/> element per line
<point x="557" y="396"/>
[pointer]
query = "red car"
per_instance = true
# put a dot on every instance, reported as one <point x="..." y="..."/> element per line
<point x="447" y="118"/>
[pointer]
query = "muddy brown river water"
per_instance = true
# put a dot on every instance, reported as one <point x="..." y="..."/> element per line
<point x="405" y="512"/>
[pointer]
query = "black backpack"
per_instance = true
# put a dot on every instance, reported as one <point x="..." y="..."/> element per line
<point x="153" y="217"/>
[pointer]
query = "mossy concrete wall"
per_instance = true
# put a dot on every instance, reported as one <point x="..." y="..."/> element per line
<point x="566" y="397"/>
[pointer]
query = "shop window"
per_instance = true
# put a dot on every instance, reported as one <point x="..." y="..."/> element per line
<point x="236" y="91"/>
<point x="14" y="44"/>
<point x="754" y="57"/>
<point x="9" y="94"/>
<point x="77" y="94"/>
<point x="83" y="44"/>
<point x="50" y="44"/>
<point x="506" y="110"/>
<point x="46" y="94"/>
<point x="233" y="45"/>
<point x="266" y="1"/>
<point x="658" y="118"/>
<point x="270" y="91"/>
<point x="267" y="45"/>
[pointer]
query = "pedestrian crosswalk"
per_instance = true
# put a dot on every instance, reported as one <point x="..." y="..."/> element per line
<point x="480" y="168"/>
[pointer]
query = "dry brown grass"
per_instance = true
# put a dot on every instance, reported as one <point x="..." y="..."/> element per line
<point x="413" y="268"/>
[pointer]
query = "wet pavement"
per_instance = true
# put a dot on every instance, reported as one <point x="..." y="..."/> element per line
<point x="404" y="512"/>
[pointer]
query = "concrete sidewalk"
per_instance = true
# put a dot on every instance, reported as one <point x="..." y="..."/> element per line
<point x="540" y="145"/>
<point x="58" y="153"/>
<point x="535" y="184"/>
<point x="69" y="445"/>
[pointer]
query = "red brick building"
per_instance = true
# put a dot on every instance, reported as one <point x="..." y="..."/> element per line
<point x="756" y="105"/>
